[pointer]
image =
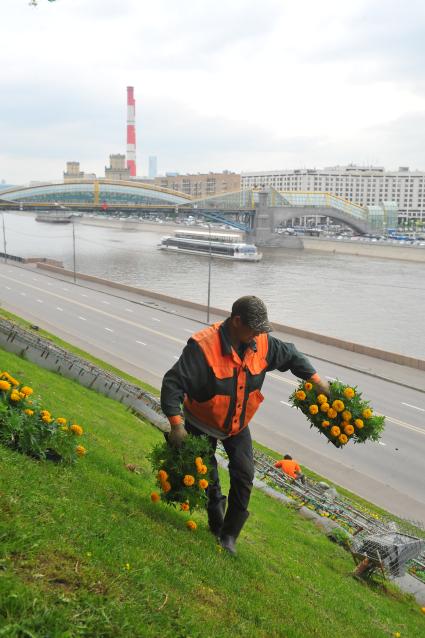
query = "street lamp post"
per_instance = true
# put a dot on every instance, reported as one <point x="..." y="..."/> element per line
<point x="73" y="249"/>
<point x="209" y="275"/>
<point x="4" y="240"/>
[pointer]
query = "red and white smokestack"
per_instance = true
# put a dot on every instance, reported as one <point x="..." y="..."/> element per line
<point x="131" y="131"/>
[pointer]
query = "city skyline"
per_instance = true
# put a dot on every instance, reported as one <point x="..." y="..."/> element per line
<point x="240" y="87"/>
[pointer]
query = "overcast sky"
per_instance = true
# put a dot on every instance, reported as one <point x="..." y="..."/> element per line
<point x="219" y="84"/>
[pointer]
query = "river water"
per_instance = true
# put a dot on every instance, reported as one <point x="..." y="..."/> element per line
<point x="375" y="302"/>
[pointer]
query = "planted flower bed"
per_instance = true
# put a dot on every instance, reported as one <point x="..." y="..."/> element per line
<point x="28" y="427"/>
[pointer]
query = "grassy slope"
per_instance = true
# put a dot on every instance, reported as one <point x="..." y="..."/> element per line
<point x="66" y="535"/>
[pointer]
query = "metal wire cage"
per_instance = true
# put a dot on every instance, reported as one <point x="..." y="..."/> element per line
<point x="388" y="551"/>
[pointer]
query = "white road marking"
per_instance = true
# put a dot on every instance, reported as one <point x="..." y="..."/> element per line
<point x="284" y="379"/>
<point x="66" y="289"/>
<point x="39" y="301"/>
<point x="128" y="309"/>
<point x="174" y="357"/>
<point x="107" y="302"/>
<point x="381" y="443"/>
<point x="109" y="329"/>
<point x="82" y="318"/>
<point x="189" y="331"/>
<point x="34" y="279"/>
<point x="155" y="319"/>
<point x="142" y="343"/>
<point x="24" y="294"/>
<point x="8" y="288"/>
<point x="60" y="309"/>
<point x="82" y="294"/>
<point x="330" y="378"/>
<point x="409" y="405"/>
<point x="288" y="404"/>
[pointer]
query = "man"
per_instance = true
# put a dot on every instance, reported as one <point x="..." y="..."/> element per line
<point x="218" y="379"/>
<point x="291" y="468"/>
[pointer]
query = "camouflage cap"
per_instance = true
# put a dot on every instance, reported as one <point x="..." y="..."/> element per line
<point x="253" y="313"/>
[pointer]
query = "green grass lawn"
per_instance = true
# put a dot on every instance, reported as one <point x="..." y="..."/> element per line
<point x="84" y="552"/>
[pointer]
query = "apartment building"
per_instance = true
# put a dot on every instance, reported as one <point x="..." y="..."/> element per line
<point x="201" y="184"/>
<point x="363" y="185"/>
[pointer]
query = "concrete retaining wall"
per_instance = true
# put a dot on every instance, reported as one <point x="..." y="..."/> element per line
<point x="377" y="353"/>
<point x="382" y="251"/>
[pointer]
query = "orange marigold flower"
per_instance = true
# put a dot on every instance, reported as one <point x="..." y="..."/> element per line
<point x="61" y="421"/>
<point x="76" y="429"/>
<point x="27" y="391"/>
<point x="199" y="460"/>
<point x="349" y="393"/>
<point x="325" y="424"/>
<point x="162" y="475"/>
<point x="308" y="385"/>
<point x="332" y="413"/>
<point x="191" y="525"/>
<point x="4" y="385"/>
<point x="322" y="398"/>
<point x="29" y="412"/>
<point x="359" y="423"/>
<point x="338" y="405"/>
<point x="188" y="480"/>
<point x="335" y="431"/>
<point x="348" y="429"/>
<point x="313" y="409"/>
<point x="184" y="507"/>
<point x="155" y="497"/>
<point x="15" y="396"/>
<point x="81" y="450"/>
<point x="300" y="395"/>
<point x="166" y="486"/>
<point x="346" y="415"/>
<point x="203" y="469"/>
<point x="46" y="418"/>
<point x="45" y="413"/>
<point x="203" y="484"/>
<point x="342" y="439"/>
<point x="367" y="413"/>
<point x="324" y="407"/>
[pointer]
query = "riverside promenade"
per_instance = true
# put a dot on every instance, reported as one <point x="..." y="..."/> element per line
<point x="143" y="334"/>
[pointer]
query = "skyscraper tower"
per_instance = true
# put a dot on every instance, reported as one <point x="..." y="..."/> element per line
<point x="131" y="131"/>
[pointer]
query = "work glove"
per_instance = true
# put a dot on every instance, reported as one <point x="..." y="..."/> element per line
<point x="322" y="386"/>
<point x="177" y="435"/>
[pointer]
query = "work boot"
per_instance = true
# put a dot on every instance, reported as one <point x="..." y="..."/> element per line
<point x="232" y="525"/>
<point x="215" y="513"/>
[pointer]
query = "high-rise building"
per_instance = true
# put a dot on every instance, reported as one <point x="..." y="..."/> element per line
<point x="131" y="131"/>
<point x="201" y="184"/>
<point x="153" y="166"/>
<point x="117" y="169"/>
<point x="362" y="185"/>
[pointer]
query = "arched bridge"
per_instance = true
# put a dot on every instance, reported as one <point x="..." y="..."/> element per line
<point x="253" y="211"/>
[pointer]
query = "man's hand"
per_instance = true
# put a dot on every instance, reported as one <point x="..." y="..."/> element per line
<point x="322" y="386"/>
<point x="177" y="435"/>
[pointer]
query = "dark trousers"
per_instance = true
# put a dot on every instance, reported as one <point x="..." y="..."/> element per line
<point x="241" y="470"/>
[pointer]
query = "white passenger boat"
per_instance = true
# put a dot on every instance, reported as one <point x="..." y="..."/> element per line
<point x="222" y="245"/>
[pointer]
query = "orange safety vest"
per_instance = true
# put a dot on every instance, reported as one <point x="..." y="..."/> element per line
<point x="235" y="394"/>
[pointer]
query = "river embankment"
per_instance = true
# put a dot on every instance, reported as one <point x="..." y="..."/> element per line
<point x="333" y="246"/>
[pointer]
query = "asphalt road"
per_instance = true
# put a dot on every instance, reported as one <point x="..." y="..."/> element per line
<point x="145" y="341"/>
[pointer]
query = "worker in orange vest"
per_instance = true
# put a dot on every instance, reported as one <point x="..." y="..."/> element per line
<point x="214" y="389"/>
<point x="291" y="468"/>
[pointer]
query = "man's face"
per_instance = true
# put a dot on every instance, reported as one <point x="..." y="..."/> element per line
<point x="242" y="332"/>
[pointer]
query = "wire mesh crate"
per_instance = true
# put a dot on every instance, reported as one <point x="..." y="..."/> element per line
<point x="388" y="551"/>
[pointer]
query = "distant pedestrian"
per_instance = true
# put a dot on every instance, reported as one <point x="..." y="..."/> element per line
<point x="291" y="468"/>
